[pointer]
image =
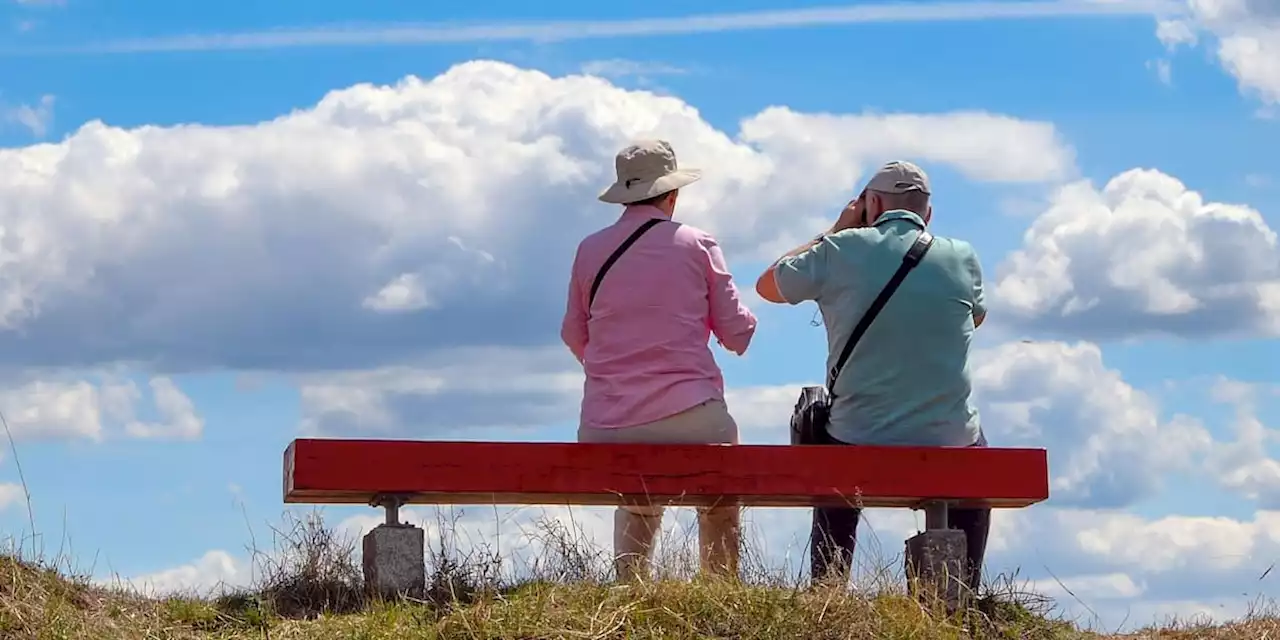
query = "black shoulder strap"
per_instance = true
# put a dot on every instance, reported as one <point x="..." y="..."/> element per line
<point x="909" y="261"/>
<point x="626" y="244"/>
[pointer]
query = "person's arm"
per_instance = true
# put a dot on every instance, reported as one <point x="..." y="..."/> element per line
<point x="805" y="265"/>
<point x="767" y="285"/>
<point x="979" y="300"/>
<point x="731" y="321"/>
<point x="573" y="329"/>
<point x="797" y="276"/>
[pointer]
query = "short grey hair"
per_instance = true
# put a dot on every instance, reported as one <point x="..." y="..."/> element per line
<point x="914" y="201"/>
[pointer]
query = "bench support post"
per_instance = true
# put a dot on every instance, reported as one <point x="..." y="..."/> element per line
<point x="935" y="560"/>
<point x="394" y="554"/>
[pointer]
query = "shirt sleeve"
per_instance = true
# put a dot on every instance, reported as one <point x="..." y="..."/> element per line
<point x="979" y="300"/>
<point x="731" y="321"/>
<point x="573" y="329"/>
<point x="801" y="277"/>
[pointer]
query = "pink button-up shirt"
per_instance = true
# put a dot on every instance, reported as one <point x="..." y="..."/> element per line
<point x="644" y="342"/>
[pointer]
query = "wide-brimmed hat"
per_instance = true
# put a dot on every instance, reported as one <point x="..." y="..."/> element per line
<point x="647" y="169"/>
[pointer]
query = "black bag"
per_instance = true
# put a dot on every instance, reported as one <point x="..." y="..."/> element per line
<point x="813" y="409"/>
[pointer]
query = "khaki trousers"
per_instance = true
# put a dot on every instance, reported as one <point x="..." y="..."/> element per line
<point x="635" y="528"/>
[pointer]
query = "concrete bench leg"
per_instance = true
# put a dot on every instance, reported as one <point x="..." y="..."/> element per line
<point x="935" y="561"/>
<point x="395" y="556"/>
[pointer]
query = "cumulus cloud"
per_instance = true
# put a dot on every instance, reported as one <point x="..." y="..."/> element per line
<point x="1107" y="443"/>
<point x="1247" y="464"/>
<point x="1142" y="255"/>
<point x="216" y="571"/>
<point x="386" y="222"/>
<point x="176" y="412"/>
<point x="454" y="394"/>
<point x="53" y="410"/>
<point x="1245" y="36"/>
<point x="1132" y="570"/>
<point x="63" y="408"/>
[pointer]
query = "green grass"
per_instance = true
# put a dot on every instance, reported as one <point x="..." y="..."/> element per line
<point x="309" y="587"/>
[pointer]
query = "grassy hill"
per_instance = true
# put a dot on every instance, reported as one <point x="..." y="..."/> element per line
<point x="310" y="588"/>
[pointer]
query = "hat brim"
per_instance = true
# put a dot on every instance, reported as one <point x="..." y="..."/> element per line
<point x="618" y="193"/>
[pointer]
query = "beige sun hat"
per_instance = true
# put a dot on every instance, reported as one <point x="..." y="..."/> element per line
<point x="647" y="169"/>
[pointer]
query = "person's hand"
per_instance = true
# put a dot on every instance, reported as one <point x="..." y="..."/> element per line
<point x="853" y="216"/>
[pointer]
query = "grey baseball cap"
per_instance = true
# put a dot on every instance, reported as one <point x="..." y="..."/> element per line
<point x="899" y="176"/>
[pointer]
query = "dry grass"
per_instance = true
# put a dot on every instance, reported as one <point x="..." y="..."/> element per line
<point x="309" y="587"/>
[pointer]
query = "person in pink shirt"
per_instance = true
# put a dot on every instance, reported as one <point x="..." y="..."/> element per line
<point x="645" y="296"/>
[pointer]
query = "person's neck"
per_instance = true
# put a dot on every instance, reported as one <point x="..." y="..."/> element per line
<point x="650" y="210"/>
<point x="886" y="212"/>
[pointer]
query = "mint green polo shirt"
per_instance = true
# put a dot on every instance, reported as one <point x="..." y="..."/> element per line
<point x="907" y="382"/>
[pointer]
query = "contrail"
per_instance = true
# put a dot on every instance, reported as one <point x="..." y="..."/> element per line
<point x="553" y="31"/>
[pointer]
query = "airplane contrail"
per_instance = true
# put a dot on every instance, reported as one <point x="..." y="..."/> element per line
<point x="564" y="30"/>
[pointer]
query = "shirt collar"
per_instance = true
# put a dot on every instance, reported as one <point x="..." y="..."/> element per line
<point x="900" y="214"/>
<point x="638" y="211"/>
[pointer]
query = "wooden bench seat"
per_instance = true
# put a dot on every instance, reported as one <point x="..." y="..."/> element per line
<point x="327" y="471"/>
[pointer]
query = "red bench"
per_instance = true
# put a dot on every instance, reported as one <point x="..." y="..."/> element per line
<point x="391" y="473"/>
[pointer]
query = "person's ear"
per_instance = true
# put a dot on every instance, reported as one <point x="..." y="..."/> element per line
<point x="671" y="198"/>
<point x="873" y="208"/>
<point x="928" y="214"/>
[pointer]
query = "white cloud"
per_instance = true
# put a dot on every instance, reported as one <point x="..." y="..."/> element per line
<point x="1107" y="586"/>
<point x="403" y="293"/>
<point x="35" y="118"/>
<point x="53" y="410"/>
<point x="559" y="31"/>
<point x="214" y="572"/>
<point x="1175" y="33"/>
<point x="1163" y="70"/>
<point x="265" y="246"/>
<point x="623" y="68"/>
<point x="66" y="408"/>
<point x="763" y="412"/>
<point x="1143" y="255"/>
<point x="11" y="494"/>
<point x="178" y="419"/>
<point x="1107" y="443"/>
<point x="456" y="393"/>
<point x="1246" y="36"/>
<point x="1169" y="560"/>
<point x="1246" y="464"/>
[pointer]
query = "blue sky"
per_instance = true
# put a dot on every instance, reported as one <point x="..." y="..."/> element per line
<point x="220" y="233"/>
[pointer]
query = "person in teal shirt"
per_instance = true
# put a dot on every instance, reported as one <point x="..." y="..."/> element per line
<point x="907" y="381"/>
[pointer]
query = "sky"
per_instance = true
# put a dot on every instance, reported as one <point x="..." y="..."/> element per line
<point x="227" y="225"/>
